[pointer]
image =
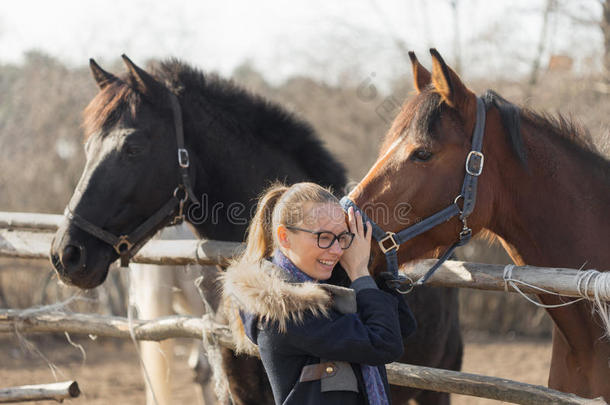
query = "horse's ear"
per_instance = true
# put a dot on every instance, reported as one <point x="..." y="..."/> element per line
<point x="143" y="82"/>
<point x="102" y="78"/>
<point x="421" y="76"/>
<point x="449" y="85"/>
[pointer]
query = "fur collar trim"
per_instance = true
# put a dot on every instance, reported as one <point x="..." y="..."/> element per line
<point x="266" y="291"/>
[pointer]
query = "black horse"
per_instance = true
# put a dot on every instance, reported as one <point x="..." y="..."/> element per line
<point x="178" y="141"/>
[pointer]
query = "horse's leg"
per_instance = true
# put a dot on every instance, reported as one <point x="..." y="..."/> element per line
<point x="433" y="398"/>
<point x="452" y="361"/>
<point x="151" y="287"/>
<point x="198" y="361"/>
<point x="437" y="342"/>
<point x="585" y="373"/>
<point x="247" y="379"/>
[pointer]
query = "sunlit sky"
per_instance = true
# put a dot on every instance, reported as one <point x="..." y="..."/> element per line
<point x="325" y="39"/>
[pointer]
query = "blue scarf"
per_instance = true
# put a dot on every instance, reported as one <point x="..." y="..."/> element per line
<point x="375" y="389"/>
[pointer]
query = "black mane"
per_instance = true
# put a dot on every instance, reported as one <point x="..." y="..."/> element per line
<point x="240" y="112"/>
<point x="247" y="114"/>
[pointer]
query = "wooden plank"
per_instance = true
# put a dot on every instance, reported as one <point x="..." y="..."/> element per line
<point x="170" y="327"/>
<point x="25" y="244"/>
<point x="482" y="386"/>
<point x="40" y="392"/>
<point x="31" y="321"/>
<point x="30" y="220"/>
<point x="491" y="277"/>
<point x="36" y="245"/>
<point x="190" y="251"/>
<point x="31" y="244"/>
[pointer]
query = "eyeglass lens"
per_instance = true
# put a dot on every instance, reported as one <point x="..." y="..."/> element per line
<point x="326" y="239"/>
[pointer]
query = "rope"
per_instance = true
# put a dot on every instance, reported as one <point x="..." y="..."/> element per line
<point x="592" y="285"/>
<point x="601" y="294"/>
<point x="211" y="347"/>
<point x="59" y="307"/>
<point x="508" y="280"/>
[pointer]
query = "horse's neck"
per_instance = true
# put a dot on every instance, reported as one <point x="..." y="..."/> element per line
<point x="228" y="177"/>
<point x="555" y="211"/>
<point x="225" y="200"/>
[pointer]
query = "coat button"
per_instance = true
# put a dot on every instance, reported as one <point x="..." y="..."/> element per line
<point x="329" y="369"/>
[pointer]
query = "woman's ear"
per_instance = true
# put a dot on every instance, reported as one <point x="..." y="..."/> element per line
<point x="282" y="237"/>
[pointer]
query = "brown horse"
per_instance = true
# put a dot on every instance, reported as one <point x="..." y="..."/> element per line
<point x="544" y="192"/>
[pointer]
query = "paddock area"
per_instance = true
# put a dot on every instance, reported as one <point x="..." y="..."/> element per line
<point x="111" y="366"/>
<point x="106" y="366"/>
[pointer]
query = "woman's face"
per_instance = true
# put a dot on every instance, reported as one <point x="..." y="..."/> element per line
<point x="302" y="247"/>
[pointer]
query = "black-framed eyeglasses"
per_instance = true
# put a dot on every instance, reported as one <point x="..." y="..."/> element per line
<point x="327" y="238"/>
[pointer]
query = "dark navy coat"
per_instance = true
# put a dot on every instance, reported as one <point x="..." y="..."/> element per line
<point x="370" y="333"/>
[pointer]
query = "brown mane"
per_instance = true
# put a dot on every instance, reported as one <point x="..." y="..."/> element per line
<point x="427" y="111"/>
<point x="569" y="134"/>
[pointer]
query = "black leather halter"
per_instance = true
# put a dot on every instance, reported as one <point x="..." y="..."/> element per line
<point x="389" y="242"/>
<point x="171" y="212"/>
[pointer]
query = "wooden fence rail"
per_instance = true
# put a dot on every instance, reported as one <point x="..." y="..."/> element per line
<point x="40" y="392"/>
<point x="36" y="245"/>
<point x="29" y="236"/>
<point x="28" y="244"/>
<point x="30" y="220"/>
<point x="32" y="321"/>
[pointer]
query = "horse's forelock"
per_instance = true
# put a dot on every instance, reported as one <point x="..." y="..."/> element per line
<point x="418" y="116"/>
<point x="108" y="106"/>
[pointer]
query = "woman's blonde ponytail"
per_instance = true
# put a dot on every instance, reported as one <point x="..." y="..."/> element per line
<point x="260" y="242"/>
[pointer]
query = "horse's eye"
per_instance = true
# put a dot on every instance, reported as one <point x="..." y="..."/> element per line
<point x="421" y="155"/>
<point x="132" y="150"/>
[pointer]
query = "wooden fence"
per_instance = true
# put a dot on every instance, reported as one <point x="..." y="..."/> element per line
<point x="29" y="236"/>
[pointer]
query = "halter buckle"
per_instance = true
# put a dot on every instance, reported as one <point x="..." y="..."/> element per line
<point x="181" y="189"/>
<point x="475" y="168"/>
<point x="402" y="284"/>
<point x="389" y="236"/>
<point x="183" y="158"/>
<point x="123" y="245"/>
<point x="465" y="233"/>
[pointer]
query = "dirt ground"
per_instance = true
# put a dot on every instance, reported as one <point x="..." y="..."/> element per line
<point x="110" y="372"/>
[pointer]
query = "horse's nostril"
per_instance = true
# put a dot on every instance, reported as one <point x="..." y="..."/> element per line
<point x="71" y="256"/>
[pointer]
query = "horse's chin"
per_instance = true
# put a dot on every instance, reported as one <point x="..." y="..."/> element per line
<point x="85" y="279"/>
<point x="94" y="280"/>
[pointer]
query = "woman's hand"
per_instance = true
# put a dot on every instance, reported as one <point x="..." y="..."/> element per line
<point x="355" y="259"/>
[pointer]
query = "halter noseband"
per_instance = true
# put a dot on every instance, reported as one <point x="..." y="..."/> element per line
<point x="389" y="242"/>
<point x="173" y="210"/>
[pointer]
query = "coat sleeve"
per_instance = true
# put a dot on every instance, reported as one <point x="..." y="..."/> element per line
<point x="370" y="337"/>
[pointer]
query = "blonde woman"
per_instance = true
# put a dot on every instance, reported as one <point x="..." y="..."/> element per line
<point x="319" y="343"/>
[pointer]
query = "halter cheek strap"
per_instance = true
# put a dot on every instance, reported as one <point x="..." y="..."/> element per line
<point x="172" y="212"/>
<point x="389" y="242"/>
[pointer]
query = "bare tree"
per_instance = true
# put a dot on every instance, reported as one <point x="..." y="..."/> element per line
<point x="457" y="48"/>
<point x="400" y="43"/>
<point x="587" y="15"/>
<point x="550" y="7"/>
<point x="604" y="25"/>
